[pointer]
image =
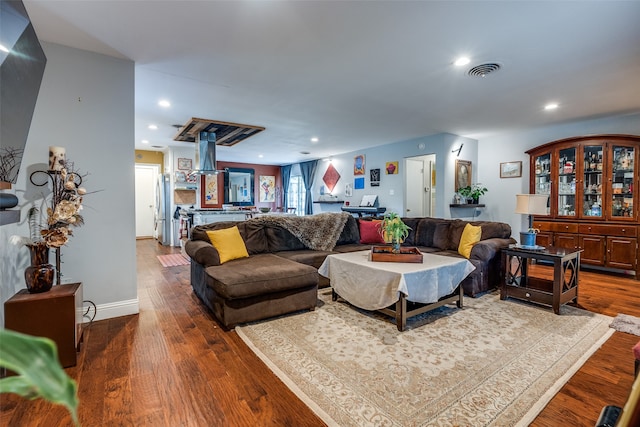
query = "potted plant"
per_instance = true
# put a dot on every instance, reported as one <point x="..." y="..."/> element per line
<point x="394" y="230"/>
<point x="472" y="192"/>
<point x="528" y="238"/>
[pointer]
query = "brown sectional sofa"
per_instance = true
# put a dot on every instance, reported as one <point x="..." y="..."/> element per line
<point x="280" y="276"/>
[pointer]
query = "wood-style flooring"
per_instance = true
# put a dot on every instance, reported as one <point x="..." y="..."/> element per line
<point x="173" y="365"/>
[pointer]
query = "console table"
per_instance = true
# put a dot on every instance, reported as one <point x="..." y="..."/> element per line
<point x="56" y="314"/>
<point x="562" y="289"/>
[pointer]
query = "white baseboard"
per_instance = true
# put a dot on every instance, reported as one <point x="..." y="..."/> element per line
<point x="113" y="309"/>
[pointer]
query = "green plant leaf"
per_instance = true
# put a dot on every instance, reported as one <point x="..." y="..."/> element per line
<point x="35" y="360"/>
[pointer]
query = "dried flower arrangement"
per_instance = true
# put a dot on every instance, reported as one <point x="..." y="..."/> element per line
<point x="63" y="210"/>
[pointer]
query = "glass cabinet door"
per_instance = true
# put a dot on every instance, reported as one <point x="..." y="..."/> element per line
<point x="622" y="182"/>
<point x="567" y="182"/>
<point x="543" y="174"/>
<point x="592" y="182"/>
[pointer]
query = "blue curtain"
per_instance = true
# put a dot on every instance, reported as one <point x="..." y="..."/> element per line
<point x="308" y="171"/>
<point x="285" y="171"/>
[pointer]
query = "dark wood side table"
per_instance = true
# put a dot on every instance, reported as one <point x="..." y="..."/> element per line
<point x="56" y="314"/>
<point x="562" y="289"/>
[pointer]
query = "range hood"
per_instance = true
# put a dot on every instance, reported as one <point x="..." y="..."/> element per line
<point x="206" y="153"/>
<point x="209" y="133"/>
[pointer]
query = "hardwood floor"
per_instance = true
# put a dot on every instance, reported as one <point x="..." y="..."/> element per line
<point x="174" y="365"/>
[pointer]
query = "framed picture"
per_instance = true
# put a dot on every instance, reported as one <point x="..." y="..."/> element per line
<point x="358" y="165"/>
<point x="210" y="196"/>
<point x="348" y="190"/>
<point x="391" y="168"/>
<point x="511" y="169"/>
<point x="184" y="164"/>
<point x="463" y="174"/>
<point x="374" y="177"/>
<point x="267" y="188"/>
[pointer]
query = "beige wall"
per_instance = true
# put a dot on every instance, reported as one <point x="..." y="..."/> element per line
<point x="150" y="157"/>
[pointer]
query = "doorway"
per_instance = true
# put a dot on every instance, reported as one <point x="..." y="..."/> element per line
<point x="420" y="186"/>
<point x="145" y="193"/>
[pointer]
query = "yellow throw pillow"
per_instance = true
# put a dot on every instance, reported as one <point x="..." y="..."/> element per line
<point x="470" y="236"/>
<point x="229" y="244"/>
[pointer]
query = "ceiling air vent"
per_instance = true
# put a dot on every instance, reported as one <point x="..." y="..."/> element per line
<point x="483" y="69"/>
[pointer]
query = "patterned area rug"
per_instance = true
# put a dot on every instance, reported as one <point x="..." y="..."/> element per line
<point x="626" y="323"/>
<point x="173" y="260"/>
<point x="493" y="363"/>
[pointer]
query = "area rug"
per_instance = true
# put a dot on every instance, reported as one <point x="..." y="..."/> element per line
<point x="173" y="260"/>
<point x="626" y="323"/>
<point x="493" y="363"/>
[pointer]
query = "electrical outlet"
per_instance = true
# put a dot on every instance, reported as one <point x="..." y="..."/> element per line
<point x="392" y="192"/>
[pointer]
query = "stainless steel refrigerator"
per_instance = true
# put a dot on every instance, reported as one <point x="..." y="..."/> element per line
<point x="163" y="210"/>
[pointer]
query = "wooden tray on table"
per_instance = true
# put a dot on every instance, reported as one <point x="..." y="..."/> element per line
<point x="385" y="254"/>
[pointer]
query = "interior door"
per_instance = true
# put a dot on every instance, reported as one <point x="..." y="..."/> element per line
<point x="420" y="186"/>
<point x="145" y="192"/>
<point x="414" y="188"/>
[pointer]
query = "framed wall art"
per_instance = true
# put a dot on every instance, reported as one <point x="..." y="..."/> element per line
<point x="511" y="169"/>
<point x="358" y="165"/>
<point x="463" y="174"/>
<point x="391" y="168"/>
<point x="267" y="188"/>
<point x="374" y="177"/>
<point x="184" y="164"/>
<point x="210" y="196"/>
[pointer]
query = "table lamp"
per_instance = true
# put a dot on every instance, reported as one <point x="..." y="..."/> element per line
<point x="530" y="204"/>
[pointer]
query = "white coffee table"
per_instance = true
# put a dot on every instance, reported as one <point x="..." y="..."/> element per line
<point x="379" y="285"/>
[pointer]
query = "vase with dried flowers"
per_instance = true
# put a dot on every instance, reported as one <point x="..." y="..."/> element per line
<point x="393" y="230"/>
<point x="62" y="213"/>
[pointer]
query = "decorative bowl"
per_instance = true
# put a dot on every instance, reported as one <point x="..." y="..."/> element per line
<point x="265" y="210"/>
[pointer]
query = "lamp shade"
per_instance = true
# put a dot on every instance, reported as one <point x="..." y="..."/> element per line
<point x="531" y="204"/>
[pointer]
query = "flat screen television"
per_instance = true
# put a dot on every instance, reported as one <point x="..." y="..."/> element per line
<point x="22" y="63"/>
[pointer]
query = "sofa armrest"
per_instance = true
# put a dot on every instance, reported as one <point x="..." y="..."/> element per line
<point x="487" y="249"/>
<point x="202" y="252"/>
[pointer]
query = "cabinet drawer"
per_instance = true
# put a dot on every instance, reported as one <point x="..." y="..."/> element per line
<point x="556" y="227"/>
<point x="609" y="230"/>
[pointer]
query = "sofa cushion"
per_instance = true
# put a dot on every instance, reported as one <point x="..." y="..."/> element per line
<point x="278" y="239"/>
<point x="441" y="236"/>
<point x="412" y="223"/>
<point x="306" y="256"/>
<point x="470" y="236"/>
<point x="350" y="233"/>
<point x="370" y="232"/>
<point x="258" y="275"/>
<point x="253" y="234"/>
<point x="425" y="230"/>
<point x="228" y="243"/>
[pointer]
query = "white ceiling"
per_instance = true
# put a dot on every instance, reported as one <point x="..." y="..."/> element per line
<point x="358" y="74"/>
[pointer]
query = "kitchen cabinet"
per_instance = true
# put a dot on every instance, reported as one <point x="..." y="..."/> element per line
<point x="592" y="205"/>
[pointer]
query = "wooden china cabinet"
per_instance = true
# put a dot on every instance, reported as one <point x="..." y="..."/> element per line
<point x="592" y="183"/>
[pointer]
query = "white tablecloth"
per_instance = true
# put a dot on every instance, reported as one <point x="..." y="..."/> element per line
<point x="376" y="285"/>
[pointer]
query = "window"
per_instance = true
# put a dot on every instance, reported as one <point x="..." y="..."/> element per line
<point x="297" y="194"/>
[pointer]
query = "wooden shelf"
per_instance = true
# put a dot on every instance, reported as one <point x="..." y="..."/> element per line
<point x="466" y="205"/>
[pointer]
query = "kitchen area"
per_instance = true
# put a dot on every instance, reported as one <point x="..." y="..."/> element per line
<point x="187" y="194"/>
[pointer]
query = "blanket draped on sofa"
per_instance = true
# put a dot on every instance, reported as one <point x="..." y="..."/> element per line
<point x="319" y="232"/>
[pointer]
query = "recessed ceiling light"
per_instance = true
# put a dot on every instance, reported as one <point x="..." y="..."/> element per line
<point x="315" y="139"/>
<point x="4" y="49"/>
<point x="145" y="141"/>
<point x="164" y="103"/>
<point x="551" y="106"/>
<point x="463" y="60"/>
<point x="260" y="156"/>
<point x="153" y="127"/>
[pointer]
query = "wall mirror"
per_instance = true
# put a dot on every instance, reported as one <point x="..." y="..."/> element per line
<point x="238" y="187"/>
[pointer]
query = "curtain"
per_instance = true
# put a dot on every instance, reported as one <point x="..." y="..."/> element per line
<point x="285" y="171"/>
<point x="308" y="171"/>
